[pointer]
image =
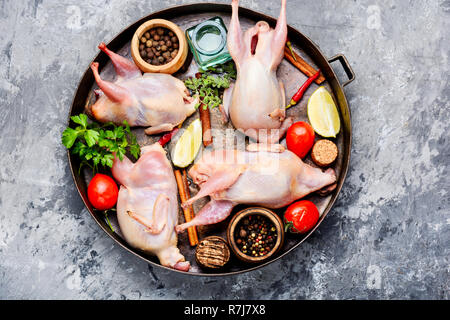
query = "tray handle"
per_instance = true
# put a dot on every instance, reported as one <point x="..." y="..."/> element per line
<point x="344" y="62"/>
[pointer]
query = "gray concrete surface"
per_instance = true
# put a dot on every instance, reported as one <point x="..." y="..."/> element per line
<point x="386" y="238"/>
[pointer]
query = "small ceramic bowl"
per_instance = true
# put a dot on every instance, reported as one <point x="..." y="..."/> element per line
<point x="171" y="67"/>
<point x="236" y="222"/>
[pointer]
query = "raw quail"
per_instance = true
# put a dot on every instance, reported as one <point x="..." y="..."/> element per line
<point x="268" y="179"/>
<point x="155" y="100"/>
<point x="256" y="102"/>
<point x="147" y="206"/>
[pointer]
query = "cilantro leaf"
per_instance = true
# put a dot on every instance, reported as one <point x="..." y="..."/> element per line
<point x="135" y="150"/>
<point x="109" y="134"/>
<point x="80" y="119"/>
<point x="68" y="137"/>
<point x="119" y="132"/>
<point x="95" y="143"/>
<point x="96" y="159"/>
<point x="91" y="137"/>
<point x="109" y="160"/>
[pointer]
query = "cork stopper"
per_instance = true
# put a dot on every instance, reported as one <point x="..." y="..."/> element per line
<point x="324" y="152"/>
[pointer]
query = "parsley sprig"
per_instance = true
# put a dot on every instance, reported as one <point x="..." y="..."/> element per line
<point x="208" y="84"/>
<point x="95" y="144"/>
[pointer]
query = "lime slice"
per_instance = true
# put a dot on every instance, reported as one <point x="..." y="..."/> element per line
<point x="323" y="114"/>
<point x="188" y="145"/>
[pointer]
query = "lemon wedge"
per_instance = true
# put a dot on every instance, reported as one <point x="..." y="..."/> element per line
<point x="188" y="145"/>
<point x="323" y="114"/>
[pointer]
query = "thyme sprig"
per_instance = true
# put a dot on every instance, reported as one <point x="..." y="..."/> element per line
<point x="209" y="84"/>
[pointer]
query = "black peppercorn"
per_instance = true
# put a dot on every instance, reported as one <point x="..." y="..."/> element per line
<point x="166" y="55"/>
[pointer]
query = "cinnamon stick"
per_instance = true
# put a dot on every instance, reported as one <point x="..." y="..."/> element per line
<point x="302" y="65"/>
<point x="191" y="210"/>
<point x="188" y="194"/>
<point x="205" y="118"/>
<point x="188" y="212"/>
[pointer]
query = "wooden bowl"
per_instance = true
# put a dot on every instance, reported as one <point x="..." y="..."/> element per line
<point x="173" y="65"/>
<point x="272" y="216"/>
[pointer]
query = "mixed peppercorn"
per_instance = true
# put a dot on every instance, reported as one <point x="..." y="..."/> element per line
<point x="158" y="46"/>
<point x="255" y="235"/>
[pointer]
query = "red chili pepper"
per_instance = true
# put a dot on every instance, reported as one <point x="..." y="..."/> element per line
<point x="296" y="97"/>
<point x="167" y="137"/>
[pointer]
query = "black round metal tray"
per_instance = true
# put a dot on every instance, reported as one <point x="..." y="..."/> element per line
<point x="186" y="16"/>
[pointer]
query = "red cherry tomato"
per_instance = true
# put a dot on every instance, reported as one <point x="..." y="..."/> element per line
<point x="102" y="192"/>
<point x="301" y="216"/>
<point x="300" y="138"/>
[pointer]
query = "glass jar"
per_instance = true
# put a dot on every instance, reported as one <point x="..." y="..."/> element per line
<point x="208" y="43"/>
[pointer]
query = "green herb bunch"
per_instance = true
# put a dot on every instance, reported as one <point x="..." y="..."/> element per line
<point x="226" y="69"/>
<point x="95" y="144"/>
<point x="210" y="83"/>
